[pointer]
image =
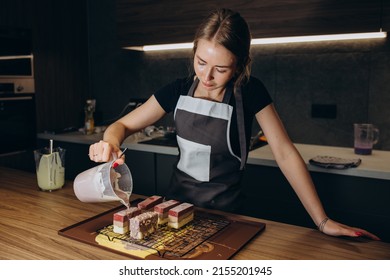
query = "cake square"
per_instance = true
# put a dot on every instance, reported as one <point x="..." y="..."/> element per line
<point x="180" y="215"/>
<point x="162" y="210"/>
<point x="143" y="225"/>
<point x="121" y="219"/>
<point x="126" y="214"/>
<point x="150" y="202"/>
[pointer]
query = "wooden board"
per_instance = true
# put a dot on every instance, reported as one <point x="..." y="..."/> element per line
<point x="223" y="241"/>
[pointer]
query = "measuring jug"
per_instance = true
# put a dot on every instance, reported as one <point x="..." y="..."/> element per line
<point x="366" y="135"/>
<point x="50" y="168"/>
<point x="104" y="183"/>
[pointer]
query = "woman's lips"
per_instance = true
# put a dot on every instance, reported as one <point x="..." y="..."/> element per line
<point x="207" y="85"/>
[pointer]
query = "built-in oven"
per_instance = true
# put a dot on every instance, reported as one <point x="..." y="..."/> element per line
<point x="17" y="123"/>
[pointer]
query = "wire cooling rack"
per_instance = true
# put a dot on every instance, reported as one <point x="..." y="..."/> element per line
<point x="175" y="242"/>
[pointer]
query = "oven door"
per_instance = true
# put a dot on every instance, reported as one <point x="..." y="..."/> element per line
<point x="17" y="123"/>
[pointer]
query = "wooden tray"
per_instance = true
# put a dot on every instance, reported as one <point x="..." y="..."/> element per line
<point x="209" y="236"/>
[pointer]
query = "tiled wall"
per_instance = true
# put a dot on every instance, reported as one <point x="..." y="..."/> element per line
<point x="353" y="75"/>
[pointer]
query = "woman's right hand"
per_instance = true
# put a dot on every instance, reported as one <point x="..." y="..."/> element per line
<point x="103" y="152"/>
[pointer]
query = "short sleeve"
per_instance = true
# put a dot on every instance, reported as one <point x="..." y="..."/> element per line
<point x="255" y="96"/>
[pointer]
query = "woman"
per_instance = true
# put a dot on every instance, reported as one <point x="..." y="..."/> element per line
<point x="213" y="112"/>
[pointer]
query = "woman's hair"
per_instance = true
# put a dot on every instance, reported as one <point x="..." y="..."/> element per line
<point x="230" y="30"/>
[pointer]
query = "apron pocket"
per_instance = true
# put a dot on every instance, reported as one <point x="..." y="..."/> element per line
<point x="194" y="159"/>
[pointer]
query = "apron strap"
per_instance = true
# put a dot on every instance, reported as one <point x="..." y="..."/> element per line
<point x="193" y="87"/>
<point x="241" y="125"/>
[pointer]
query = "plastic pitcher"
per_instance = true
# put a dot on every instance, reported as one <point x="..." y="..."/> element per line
<point x="50" y="168"/>
<point x="366" y="136"/>
<point x="103" y="183"/>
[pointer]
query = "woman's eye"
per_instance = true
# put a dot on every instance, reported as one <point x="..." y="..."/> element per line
<point x="201" y="63"/>
<point x="221" y="70"/>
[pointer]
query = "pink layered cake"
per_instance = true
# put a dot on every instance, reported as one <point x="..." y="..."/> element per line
<point x="162" y="210"/>
<point x="121" y="219"/>
<point x="143" y="225"/>
<point x="180" y="215"/>
<point x="150" y="202"/>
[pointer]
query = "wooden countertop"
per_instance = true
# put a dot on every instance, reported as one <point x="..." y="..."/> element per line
<point x="30" y="220"/>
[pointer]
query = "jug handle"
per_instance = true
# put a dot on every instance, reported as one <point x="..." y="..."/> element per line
<point x="115" y="157"/>
<point x="376" y="135"/>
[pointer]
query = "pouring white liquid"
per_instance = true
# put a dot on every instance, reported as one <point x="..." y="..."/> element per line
<point x="123" y="195"/>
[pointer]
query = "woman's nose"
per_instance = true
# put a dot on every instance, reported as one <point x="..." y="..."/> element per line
<point x="209" y="74"/>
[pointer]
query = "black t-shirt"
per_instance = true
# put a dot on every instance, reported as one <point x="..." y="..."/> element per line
<point x="254" y="97"/>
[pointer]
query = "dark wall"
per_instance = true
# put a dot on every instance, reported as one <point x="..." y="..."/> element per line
<point x="352" y="75"/>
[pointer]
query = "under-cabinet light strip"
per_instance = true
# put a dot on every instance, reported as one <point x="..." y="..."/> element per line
<point x="6" y="57"/>
<point x="276" y="40"/>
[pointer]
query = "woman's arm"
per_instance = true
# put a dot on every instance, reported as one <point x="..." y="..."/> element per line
<point x="295" y="170"/>
<point x="141" y="117"/>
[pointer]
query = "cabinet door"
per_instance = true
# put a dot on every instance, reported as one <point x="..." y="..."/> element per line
<point x="355" y="201"/>
<point x="143" y="170"/>
<point x="268" y="195"/>
<point x="386" y="15"/>
<point x="158" y="22"/>
<point x="16" y="13"/>
<point x="164" y="167"/>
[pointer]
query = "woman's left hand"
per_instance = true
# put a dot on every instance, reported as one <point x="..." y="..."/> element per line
<point x="337" y="229"/>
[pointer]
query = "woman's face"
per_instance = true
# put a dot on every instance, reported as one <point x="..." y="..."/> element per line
<point x="214" y="65"/>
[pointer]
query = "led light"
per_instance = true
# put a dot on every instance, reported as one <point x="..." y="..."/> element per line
<point x="319" y="38"/>
<point x="163" y="47"/>
<point x="15" y="57"/>
<point x="276" y="40"/>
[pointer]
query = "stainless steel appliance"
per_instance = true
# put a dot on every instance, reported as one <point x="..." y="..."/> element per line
<point x="17" y="74"/>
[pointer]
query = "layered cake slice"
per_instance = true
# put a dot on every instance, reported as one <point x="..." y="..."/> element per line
<point x="180" y="215"/>
<point x="121" y="219"/>
<point x="162" y="210"/>
<point x="143" y="225"/>
<point x="150" y="202"/>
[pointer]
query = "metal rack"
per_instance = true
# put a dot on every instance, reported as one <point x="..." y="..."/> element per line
<point x="174" y="242"/>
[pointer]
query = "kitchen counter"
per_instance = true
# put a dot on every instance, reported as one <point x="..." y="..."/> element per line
<point x="30" y="220"/>
<point x="375" y="166"/>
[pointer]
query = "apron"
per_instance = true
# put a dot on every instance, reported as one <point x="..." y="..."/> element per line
<point x="208" y="172"/>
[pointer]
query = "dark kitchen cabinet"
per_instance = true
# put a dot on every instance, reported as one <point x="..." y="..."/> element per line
<point x="386" y="15"/>
<point x="157" y="22"/>
<point x="143" y="170"/>
<point x="151" y="171"/>
<point x="164" y="167"/>
<point x="16" y="14"/>
<point x="15" y="41"/>
<point x="356" y="201"/>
